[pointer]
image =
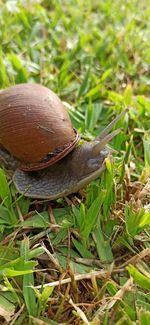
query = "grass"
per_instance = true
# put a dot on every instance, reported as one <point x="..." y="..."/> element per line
<point x="83" y="259"/>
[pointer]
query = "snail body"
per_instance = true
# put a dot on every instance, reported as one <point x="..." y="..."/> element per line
<point x="62" y="178"/>
<point x="36" y="135"/>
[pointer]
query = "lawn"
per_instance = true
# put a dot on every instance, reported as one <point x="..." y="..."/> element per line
<point x="85" y="258"/>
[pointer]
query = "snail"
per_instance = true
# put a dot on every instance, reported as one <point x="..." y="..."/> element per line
<point x="39" y="142"/>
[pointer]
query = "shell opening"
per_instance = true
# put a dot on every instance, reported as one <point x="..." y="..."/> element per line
<point x="52" y="158"/>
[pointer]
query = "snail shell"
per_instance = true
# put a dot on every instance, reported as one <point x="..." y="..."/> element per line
<point x="35" y="127"/>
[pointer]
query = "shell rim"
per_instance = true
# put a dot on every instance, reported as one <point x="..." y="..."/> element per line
<point x="50" y="161"/>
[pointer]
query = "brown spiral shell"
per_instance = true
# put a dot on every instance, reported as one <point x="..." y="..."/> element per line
<point x="34" y="126"/>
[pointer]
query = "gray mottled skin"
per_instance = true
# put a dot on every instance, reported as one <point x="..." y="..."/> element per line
<point x="67" y="176"/>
